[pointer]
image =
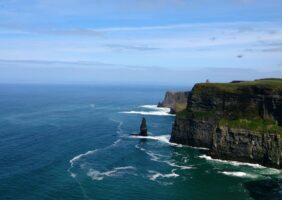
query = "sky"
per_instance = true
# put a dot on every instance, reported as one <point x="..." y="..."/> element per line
<point x="161" y="42"/>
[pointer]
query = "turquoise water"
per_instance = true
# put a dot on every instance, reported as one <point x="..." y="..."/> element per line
<point x="73" y="142"/>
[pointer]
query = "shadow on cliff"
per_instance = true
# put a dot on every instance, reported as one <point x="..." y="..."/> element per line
<point x="265" y="189"/>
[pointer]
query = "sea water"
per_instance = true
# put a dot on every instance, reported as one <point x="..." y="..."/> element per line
<point x="73" y="142"/>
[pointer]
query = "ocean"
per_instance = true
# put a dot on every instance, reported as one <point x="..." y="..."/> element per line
<point x="73" y="142"/>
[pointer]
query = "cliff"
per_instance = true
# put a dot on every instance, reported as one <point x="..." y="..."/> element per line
<point x="236" y="121"/>
<point x="176" y="101"/>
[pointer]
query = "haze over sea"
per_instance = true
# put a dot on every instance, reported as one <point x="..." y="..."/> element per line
<point x="73" y="142"/>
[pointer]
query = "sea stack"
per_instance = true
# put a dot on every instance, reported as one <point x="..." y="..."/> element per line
<point x="143" y="128"/>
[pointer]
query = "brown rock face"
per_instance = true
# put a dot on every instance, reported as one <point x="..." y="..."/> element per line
<point x="143" y="128"/>
<point x="176" y="101"/>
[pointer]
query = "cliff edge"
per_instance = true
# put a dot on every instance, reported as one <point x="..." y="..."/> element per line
<point x="237" y="121"/>
<point x="176" y="101"/>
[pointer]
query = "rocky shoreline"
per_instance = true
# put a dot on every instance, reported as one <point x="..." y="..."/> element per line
<point x="236" y="121"/>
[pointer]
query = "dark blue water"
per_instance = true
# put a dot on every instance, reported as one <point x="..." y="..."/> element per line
<point x="72" y="142"/>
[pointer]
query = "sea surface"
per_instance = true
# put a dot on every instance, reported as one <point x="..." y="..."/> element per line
<point x="73" y="142"/>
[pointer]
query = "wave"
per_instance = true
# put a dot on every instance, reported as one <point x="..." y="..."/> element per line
<point x="165" y="139"/>
<point x="117" y="171"/>
<point x="235" y="163"/>
<point x="155" y="110"/>
<point x="178" y="166"/>
<point x="155" y="175"/>
<point x="239" y="174"/>
<point x="160" y="138"/>
<point x="155" y="107"/>
<point x="156" y="113"/>
<point x="78" y="157"/>
<point x="163" y="159"/>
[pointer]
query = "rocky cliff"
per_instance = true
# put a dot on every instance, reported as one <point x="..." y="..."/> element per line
<point x="176" y="101"/>
<point x="236" y="121"/>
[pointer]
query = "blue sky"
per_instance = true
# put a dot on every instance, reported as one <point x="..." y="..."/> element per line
<point x="167" y="42"/>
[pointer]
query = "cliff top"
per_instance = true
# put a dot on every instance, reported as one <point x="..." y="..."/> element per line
<point x="272" y="86"/>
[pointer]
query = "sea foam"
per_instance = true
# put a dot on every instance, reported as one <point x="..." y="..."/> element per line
<point x="235" y="163"/>
<point x="117" y="171"/>
<point x="239" y="174"/>
<point x="163" y="159"/>
<point x="165" y="139"/>
<point x="155" y="175"/>
<point x="154" y="110"/>
<point x="78" y="157"/>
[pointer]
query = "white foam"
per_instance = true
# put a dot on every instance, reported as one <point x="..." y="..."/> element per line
<point x="78" y="157"/>
<point x="156" y="113"/>
<point x="188" y="146"/>
<point x="73" y="174"/>
<point x="155" y="175"/>
<point x="159" y="158"/>
<point x="161" y="138"/>
<point x="116" y="142"/>
<point x="165" y="139"/>
<point x="155" y="110"/>
<point x="235" y="163"/>
<point x="178" y="166"/>
<point x="117" y="171"/>
<point x="239" y="174"/>
<point x="155" y="107"/>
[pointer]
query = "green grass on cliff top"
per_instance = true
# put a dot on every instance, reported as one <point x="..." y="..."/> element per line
<point x="274" y="85"/>
<point x="256" y="125"/>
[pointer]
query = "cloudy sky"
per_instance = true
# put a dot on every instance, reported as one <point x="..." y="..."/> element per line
<point x="167" y="42"/>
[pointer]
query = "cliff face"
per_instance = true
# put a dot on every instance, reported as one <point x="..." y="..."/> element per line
<point x="177" y="101"/>
<point x="236" y="121"/>
<point x="247" y="146"/>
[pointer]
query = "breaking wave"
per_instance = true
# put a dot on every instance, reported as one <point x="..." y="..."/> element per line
<point x="239" y="174"/>
<point x="157" y="175"/>
<point x="165" y="139"/>
<point x="235" y="163"/>
<point x="160" y="138"/>
<point x="153" y="110"/>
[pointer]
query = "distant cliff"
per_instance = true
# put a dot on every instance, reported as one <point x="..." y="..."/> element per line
<point x="236" y="121"/>
<point x="177" y="101"/>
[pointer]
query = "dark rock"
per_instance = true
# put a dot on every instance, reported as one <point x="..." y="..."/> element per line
<point x="160" y="104"/>
<point x="247" y="146"/>
<point x="143" y="128"/>
<point x="172" y="111"/>
<point x="199" y="125"/>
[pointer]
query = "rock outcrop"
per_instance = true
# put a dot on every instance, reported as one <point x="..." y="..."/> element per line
<point x="143" y="128"/>
<point x="236" y="121"/>
<point x="176" y="101"/>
